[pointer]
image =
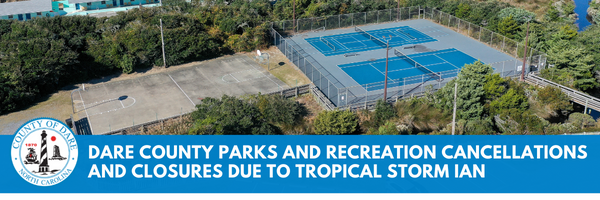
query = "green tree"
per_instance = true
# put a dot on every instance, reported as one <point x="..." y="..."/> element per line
<point x="516" y="122"/>
<point x="554" y="99"/>
<point x="383" y="112"/>
<point x="512" y="99"/>
<point x="388" y="128"/>
<point x="573" y="63"/>
<point x="494" y="86"/>
<point x="581" y="121"/>
<point x="336" y="122"/>
<point x="229" y="116"/>
<point x="464" y="10"/>
<point x="520" y="15"/>
<point x="508" y="27"/>
<point x="471" y="93"/>
<point x="279" y="110"/>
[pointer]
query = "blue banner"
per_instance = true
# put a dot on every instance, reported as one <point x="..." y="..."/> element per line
<point x="302" y="164"/>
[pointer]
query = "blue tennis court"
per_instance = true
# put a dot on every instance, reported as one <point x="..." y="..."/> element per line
<point x="368" y="72"/>
<point x="358" y="41"/>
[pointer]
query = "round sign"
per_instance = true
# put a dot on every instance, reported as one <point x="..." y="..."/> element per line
<point x="44" y="151"/>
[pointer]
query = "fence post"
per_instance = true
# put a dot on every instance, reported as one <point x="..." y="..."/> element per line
<point x="503" y="42"/>
<point x="352" y="16"/>
<point x="479" y="33"/>
<point x="339" y="21"/>
<point x="492" y="39"/>
<point x="367" y="95"/>
<point x="469" y="30"/>
<point x="404" y="87"/>
<point x="419" y="16"/>
<point x="458" y="25"/>
<point x="399" y="14"/>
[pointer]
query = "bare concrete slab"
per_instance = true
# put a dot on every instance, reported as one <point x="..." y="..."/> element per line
<point x="115" y="105"/>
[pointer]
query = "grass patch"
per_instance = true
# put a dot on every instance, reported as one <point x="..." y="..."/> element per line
<point x="282" y="68"/>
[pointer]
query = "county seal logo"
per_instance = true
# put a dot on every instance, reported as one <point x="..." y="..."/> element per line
<point x="44" y="151"/>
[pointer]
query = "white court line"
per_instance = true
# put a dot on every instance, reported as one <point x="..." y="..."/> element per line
<point x="181" y="90"/>
<point x="382" y="73"/>
<point x="234" y="78"/>
<point x="122" y="103"/>
<point x="446" y="61"/>
<point x="86" y="113"/>
<point x="278" y="86"/>
<point x="341" y="44"/>
<point x="113" y="110"/>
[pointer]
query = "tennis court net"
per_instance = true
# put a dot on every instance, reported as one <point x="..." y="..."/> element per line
<point x="417" y="65"/>
<point x="406" y="34"/>
<point x="327" y="43"/>
<point x="372" y="37"/>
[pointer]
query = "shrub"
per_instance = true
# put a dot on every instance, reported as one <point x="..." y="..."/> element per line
<point x="388" y="128"/>
<point x="336" y="123"/>
<point x="581" y="121"/>
<point x="383" y="112"/>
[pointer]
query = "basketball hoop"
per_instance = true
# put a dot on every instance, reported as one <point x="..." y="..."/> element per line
<point x="264" y="58"/>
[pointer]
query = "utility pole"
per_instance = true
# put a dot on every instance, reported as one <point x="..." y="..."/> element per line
<point x="454" y="112"/>
<point x="525" y="55"/>
<point x="294" y="16"/>
<point x="163" y="44"/>
<point x="387" y="48"/>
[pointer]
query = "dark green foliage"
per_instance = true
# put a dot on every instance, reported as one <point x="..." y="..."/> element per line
<point x="336" y="123"/>
<point x="40" y="55"/>
<point x="512" y="99"/>
<point x="553" y="14"/>
<point x="229" y="116"/>
<point x="471" y="95"/>
<point x="278" y="110"/>
<point x="388" y="128"/>
<point x="508" y="27"/>
<point x="494" y="86"/>
<point x="383" y="112"/>
<point x="463" y="11"/>
<point x="554" y="98"/>
<point x="589" y="39"/>
<point x="581" y="121"/>
<point x="520" y="15"/>
<point x="517" y="122"/>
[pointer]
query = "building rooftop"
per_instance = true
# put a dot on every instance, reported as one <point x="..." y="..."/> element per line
<point x="22" y="7"/>
<point x="86" y="1"/>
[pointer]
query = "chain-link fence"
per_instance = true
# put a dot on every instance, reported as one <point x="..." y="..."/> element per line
<point x="536" y="60"/>
<point x="355" y="96"/>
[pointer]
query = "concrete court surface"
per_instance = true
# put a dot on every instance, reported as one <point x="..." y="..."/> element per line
<point x="115" y="105"/>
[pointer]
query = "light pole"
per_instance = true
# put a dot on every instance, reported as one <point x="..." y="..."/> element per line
<point x="398" y="11"/>
<point x="162" y="39"/>
<point x="528" y="18"/>
<point x="454" y="112"/>
<point x="387" y="50"/>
